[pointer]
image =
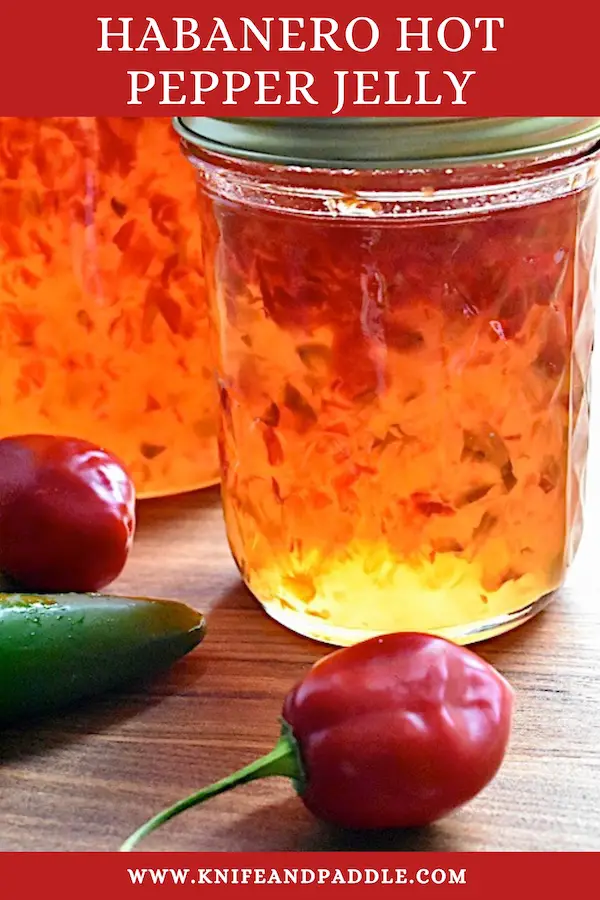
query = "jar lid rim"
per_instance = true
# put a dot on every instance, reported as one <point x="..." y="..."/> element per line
<point x="387" y="143"/>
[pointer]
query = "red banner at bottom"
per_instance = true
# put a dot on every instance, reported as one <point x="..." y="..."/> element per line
<point x="464" y="876"/>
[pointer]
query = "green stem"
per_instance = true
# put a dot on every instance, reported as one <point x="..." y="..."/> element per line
<point x="282" y="760"/>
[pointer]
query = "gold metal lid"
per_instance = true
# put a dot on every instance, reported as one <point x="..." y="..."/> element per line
<point x="384" y="143"/>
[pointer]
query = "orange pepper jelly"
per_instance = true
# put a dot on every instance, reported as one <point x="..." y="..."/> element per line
<point x="102" y="302"/>
<point x="403" y="369"/>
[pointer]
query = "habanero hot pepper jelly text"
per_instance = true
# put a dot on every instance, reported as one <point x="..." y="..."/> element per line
<point x="402" y="312"/>
<point x="240" y="37"/>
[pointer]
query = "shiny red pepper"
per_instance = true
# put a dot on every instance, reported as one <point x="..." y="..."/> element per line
<point x="394" y="732"/>
<point x="67" y="514"/>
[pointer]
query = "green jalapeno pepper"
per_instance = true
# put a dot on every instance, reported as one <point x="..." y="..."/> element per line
<point x="56" y="649"/>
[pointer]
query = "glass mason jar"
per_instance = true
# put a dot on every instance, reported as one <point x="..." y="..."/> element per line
<point x="403" y="311"/>
<point x="102" y="301"/>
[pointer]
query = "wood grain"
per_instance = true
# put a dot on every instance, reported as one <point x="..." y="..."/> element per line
<point x="84" y="780"/>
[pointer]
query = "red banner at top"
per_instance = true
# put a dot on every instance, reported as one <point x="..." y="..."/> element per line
<point x="308" y="58"/>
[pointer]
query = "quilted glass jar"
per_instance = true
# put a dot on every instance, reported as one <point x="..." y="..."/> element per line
<point x="102" y="306"/>
<point x="403" y="318"/>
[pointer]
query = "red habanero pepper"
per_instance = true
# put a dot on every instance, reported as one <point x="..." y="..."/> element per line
<point x="393" y="732"/>
<point x="67" y="514"/>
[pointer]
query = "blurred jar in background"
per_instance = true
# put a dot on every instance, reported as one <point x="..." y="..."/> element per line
<point x="103" y="320"/>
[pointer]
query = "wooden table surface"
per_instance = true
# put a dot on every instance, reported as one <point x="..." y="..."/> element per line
<point x="84" y="780"/>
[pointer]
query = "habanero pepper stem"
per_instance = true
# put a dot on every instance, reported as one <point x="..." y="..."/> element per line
<point x="282" y="760"/>
<point x="393" y="732"/>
